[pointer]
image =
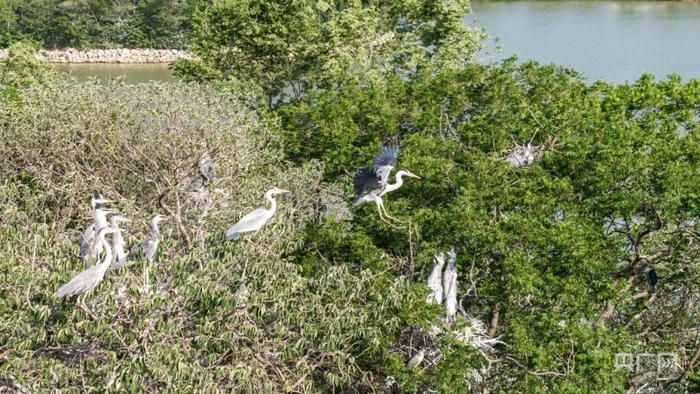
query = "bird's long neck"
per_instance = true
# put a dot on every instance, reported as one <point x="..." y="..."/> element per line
<point x="100" y="217"/>
<point x="114" y="223"/>
<point x="107" y="249"/>
<point x="154" y="227"/>
<point x="273" y="202"/>
<point x="399" y="182"/>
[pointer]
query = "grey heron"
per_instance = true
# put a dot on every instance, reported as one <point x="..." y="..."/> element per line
<point x="435" y="280"/>
<point x="119" y="256"/>
<point x="521" y="156"/>
<point x="89" y="247"/>
<point x="255" y="219"/>
<point x="372" y="183"/>
<point x="449" y="283"/>
<point x="416" y="359"/>
<point x="149" y="247"/>
<point x="91" y="277"/>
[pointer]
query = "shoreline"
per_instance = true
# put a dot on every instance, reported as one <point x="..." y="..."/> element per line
<point x="113" y="56"/>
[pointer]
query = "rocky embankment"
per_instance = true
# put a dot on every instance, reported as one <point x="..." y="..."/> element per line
<point x="120" y="55"/>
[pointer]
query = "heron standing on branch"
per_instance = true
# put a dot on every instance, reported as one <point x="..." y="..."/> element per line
<point x="372" y="183"/>
<point x="435" y="280"/>
<point x="89" y="245"/>
<point x="255" y="219"/>
<point x="449" y="284"/>
<point x="91" y="277"/>
<point x="149" y="246"/>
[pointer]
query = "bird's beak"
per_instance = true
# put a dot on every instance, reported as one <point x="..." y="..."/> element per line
<point x="412" y="175"/>
<point x="104" y="200"/>
<point x="283" y="191"/>
<point x="127" y="220"/>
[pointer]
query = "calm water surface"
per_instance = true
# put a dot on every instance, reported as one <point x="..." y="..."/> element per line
<point x="613" y="40"/>
<point x="131" y="73"/>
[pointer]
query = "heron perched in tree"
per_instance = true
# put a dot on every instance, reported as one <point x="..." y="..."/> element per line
<point x="89" y="247"/>
<point x="91" y="277"/>
<point x="416" y="359"/>
<point x="119" y="256"/>
<point x="257" y="218"/>
<point x="435" y="280"/>
<point x="373" y="182"/>
<point x="653" y="279"/>
<point x="149" y="246"/>
<point x="449" y="284"/>
<point x="521" y="156"/>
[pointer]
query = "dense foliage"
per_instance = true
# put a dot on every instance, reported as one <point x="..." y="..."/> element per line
<point x="289" y="47"/>
<point x="98" y="23"/>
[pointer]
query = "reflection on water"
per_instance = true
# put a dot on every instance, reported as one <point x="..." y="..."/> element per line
<point x="613" y="40"/>
<point x="131" y="73"/>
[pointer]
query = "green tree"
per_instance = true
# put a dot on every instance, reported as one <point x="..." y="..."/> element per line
<point x="289" y="47"/>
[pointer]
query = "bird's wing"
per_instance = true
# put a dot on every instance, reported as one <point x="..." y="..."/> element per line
<point x="250" y="222"/>
<point x="385" y="162"/>
<point x="82" y="282"/>
<point x="366" y="181"/>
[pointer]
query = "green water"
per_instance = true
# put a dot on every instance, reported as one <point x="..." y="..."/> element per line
<point x="130" y="73"/>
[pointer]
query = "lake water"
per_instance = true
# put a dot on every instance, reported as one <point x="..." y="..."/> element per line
<point x="614" y="40"/>
<point x="131" y="73"/>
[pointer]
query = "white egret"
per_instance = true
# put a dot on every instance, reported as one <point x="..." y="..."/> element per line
<point x="119" y="256"/>
<point x="435" y="280"/>
<point x="372" y="183"/>
<point x="416" y="359"/>
<point x="521" y="156"/>
<point x="91" y="277"/>
<point x="255" y="219"/>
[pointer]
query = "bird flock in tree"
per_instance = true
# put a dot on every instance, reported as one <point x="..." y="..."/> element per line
<point x="370" y="185"/>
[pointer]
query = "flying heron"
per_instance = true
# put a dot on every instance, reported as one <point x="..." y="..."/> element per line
<point x="449" y="284"/>
<point x="149" y="246"/>
<point x="416" y="359"/>
<point x="91" y="277"/>
<point x="119" y="258"/>
<point x="255" y="219"/>
<point x="373" y="182"/>
<point x="435" y="280"/>
<point x="89" y="247"/>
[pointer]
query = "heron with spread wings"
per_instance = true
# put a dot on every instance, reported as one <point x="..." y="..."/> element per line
<point x="372" y="183"/>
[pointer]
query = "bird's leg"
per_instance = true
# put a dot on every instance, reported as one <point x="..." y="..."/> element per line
<point x="386" y="214"/>
<point x="383" y="213"/>
<point x="80" y="302"/>
<point x="146" y="284"/>
<point x="381" y="216"/>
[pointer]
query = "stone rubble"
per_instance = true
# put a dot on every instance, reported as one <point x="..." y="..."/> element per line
<point x="119" y="55"/>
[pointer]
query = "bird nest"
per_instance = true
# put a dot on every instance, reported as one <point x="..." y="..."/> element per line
<point x="527" y="154"/>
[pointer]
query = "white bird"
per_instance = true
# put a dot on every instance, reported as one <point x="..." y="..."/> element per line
<point x="255" y="219"/>
<point x="89" y="247"/>
<point x="91" y="277"/>
<point x="416" y="359"/>
<point x="449" y="283"/>
<point x="372" y="183"/>
<point x="149" y="247"/>
<point x="119" y="256"/>
<point x="435" y="280"/>
<point x="521" y="156"/>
